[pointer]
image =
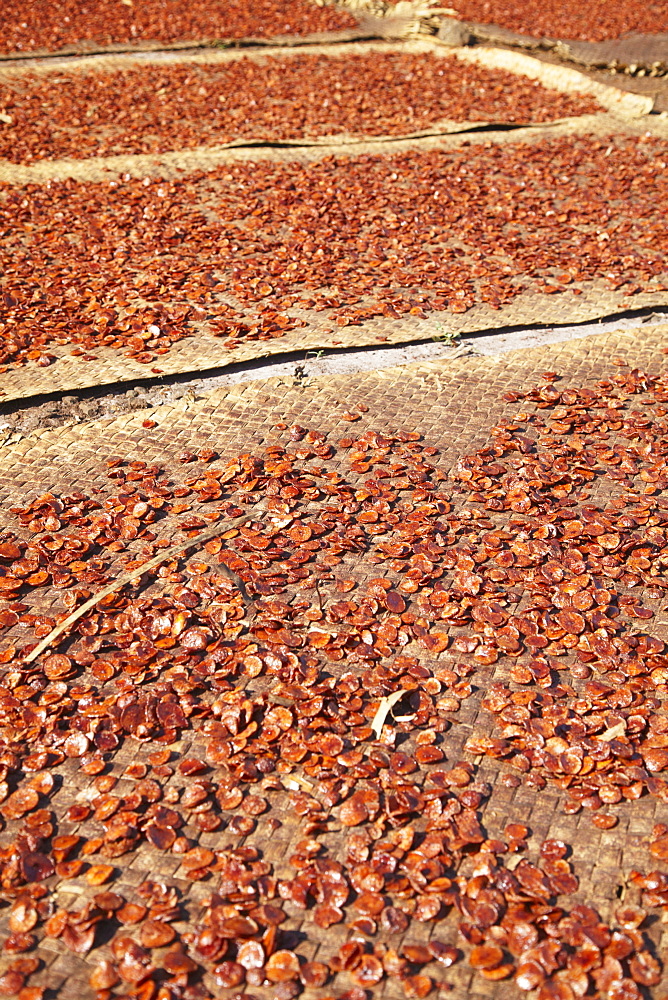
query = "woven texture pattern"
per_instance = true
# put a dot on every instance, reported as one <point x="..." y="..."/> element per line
<point x="452" y="404"/>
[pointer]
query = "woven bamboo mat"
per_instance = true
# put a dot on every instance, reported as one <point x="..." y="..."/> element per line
<point x="452" y="404"/>
<point x="620" y="107"/>
<point x="423" y="396"/>
<point x="203" y="352"/>
<point x="206" y="353"/>
<point x="174" y="164"/>
<point x="368" y="27"/>
<point x="553" y="77"/>
<point x="447" y="137"/>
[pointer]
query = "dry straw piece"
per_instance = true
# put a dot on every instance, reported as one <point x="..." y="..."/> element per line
<point x="134" y="574"/>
